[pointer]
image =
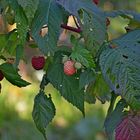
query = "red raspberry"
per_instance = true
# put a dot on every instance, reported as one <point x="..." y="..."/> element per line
<point x="96" y="1"/>
<point x="38" y="62"/>
<point x="1" y="75"/>
<point x="69" y="68"/>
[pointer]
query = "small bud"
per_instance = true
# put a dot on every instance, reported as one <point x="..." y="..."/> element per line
<point x="65" y="58"/>
<point x="78" y="65"/>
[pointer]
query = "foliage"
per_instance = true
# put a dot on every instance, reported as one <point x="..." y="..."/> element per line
<point x="11" y="74"/>
<point x="129" y="124"/>
<point x="43" y="112"/>
<point x="114" y="118"/>
<point x="109" y="67"/>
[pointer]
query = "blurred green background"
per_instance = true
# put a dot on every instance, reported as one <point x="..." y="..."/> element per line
<point x="16" y="104"/>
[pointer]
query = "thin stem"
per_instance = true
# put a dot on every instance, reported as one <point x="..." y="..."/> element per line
<point x="44" y="82"/>
<point x="76" y="23"/>
<point x="64" y="26"/>
<point x="77" y="30"/>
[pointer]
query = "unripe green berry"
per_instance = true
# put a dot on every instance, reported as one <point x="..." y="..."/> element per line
<point x="65" y="58"/>
<point x="78" y="65"/>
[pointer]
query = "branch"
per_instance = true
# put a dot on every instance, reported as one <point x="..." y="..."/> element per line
<point x="77" y="30"/>
<point x="64" y="26"/>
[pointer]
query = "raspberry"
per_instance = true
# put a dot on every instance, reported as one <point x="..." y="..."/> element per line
<point x="69" y="68"/>
<point x="1" y="75"/>
<point x="38" y="62"/>
<point x="96" y="1"/>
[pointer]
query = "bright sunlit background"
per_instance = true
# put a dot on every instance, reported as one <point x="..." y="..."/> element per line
<point x="16" y="104"/>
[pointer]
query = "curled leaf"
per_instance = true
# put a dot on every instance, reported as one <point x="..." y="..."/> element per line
<point x="128" y="128"/>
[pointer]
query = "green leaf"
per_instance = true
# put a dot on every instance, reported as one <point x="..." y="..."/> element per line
<point x="64" y="48"/>
<point x="3" y="41"/>
<point x="43" y="112"/>
<point x="126" y="13"/>
<point x="94" y="29"/>
<point x="86" y="77"/>
<point x="67" y="85"/>
<point x="19" y="54"/>
<point x="29" y="7"/>
<point x="83" y="56"/>
<point x="73" y="6"/>
<point x="12" y="42"/>
<point x="99" y="89"/>
<point x="9" y="42"/>
<point x="50" y="14"/>
<point x="114" y="118"/>
<point x="90" y="98"/>
<point x="20" y="19"/>
<point x="11" y="74"/>
<point x="93" y="21"/>
<point x="121" y="67"/>
<point x="133" y="24"/>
